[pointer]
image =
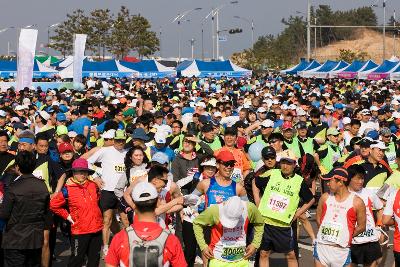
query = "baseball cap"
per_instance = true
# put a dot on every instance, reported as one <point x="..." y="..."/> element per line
<point x="160" y="157"/>
<point x="115" y="102"/>
<point x="65" y="147"/>
<point x="373" y="108"/>
<point x="217" y="114"/>
<point x="201" y="104"/>
<point x="267" y="123"/>
<point x="339" y="106"/>
<point x="346" y="120"/>
<point x="72" y="134"/>
<point x="261" y="110"/>
<point x="211" y="162"/>
<point x="332" y="131"/>
<point x="301" y="125"/>
<point x="19" y="108"/>
<point x="61" y="117"/>
<point x="268" y="152"/>
<point x="379" y="144"/>
<point x="139" y="133"/>
<point x="373" y="134"/>
<point x="366" y="142"/>
<point x="3" y="113"/>
<point x="207" y="128"/>
<point x="225" y="156"/>
<point x="338" y="173"/>
<point x="287" y="125"/>
<point x="144" y="191"/>
<point x="203" y="119"/>
<point x="301" y="112"/>
<point x="61" y="129"/>
<point x="120" y="135"/>
<point x="287" y="155"/>
<point x="110" y="134"/>
<point x="19" y="125"/>
<point x="81" y="164"/>
<point x="385" y="131"/>
<point x="44" y="115"/>
<point x="231" y="212"/>
<point x="365" y="112"/>
<point x="159" y="138"/>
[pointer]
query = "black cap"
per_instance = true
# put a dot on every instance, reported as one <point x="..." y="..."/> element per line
<point x="207" y="128"/>
<point x="203" y="119"/>
<point x="230" y="131"/>
<point x="381" y="112"/>
<point x="301" y="125"/>
<point x="365" y="142"/>
<point x="268" y="152"/>
<point x="276" y="136"/>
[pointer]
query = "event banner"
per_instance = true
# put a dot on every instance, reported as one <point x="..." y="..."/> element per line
<point x="26" y="57"/>
<point x="79" y="54"/>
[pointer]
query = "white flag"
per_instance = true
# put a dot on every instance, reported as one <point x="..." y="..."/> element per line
<point x="26" y="57"/>
<point x="79" y="54"/>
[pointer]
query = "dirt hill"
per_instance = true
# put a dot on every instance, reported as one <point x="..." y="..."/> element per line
<point x="366" y="41"/>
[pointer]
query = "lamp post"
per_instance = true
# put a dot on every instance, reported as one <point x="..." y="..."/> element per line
<point x="217" y="10"/>
<point x="384" y="29"/>
<point x="160" y="42"/>
<point x="252" y="27"/>
<point x="308" y="30"/>
<point x="178" y="19"/>
<point x="48" y="35"/>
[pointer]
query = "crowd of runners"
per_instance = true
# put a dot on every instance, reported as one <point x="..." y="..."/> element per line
<point x="215" y="172"/>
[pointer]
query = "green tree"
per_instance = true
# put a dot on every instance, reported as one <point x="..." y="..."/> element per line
<point x="144" y="42"/>
<point x="349" y="55"/>
<point x="100" y="21"/>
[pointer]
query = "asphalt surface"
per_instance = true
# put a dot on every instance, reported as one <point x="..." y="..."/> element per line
<point x="277" y="260"/>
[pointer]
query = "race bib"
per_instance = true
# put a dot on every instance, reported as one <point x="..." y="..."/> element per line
<point x="336" y="157"/>
<point x="278" y="203"/>
<point x="391" y="157"/>
<point x="38" y="174"/>
<point x="119" y="168"/>
<point x="233" y="253"/>
<point x="331" y="232"/>
<point x="236" y="175"/>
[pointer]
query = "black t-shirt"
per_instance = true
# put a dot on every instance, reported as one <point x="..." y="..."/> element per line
<point x="305" y="193"/>
<point x="5" y="158"/>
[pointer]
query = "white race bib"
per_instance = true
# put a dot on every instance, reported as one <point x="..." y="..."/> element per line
<point x="330" y="231"/>
<point x="278" y="202"/>
<point x="38" y="174"/>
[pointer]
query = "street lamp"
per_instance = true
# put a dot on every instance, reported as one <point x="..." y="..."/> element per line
<point x="252" y="27"/>
<point x="178" y="19"/>
<point x="48" y="35"/>
<point x="217" y="22"/>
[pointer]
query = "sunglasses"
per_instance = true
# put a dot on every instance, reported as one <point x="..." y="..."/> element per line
<point x="270" y="158"/>
<point x="108" y="139"/>
<point x="228" y="163"/>
<point x="273" y="141"/>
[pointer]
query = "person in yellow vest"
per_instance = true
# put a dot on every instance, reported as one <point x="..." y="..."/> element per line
<point x="328" y="153"/>
<point x="279" y="205"/>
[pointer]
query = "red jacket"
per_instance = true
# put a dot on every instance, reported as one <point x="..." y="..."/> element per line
<point x="83" y="206"/>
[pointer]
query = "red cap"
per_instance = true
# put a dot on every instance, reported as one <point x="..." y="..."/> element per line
<point x="287" y="125"/>
<point x="65" y="147"/>
<point x="225" y="156"/>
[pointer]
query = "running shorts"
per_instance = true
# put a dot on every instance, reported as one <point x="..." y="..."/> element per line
<point x="332" y="256"/>
<point x="278" y="239"/>
<point x="108" y="200"/>
<point x="365" y="253"/>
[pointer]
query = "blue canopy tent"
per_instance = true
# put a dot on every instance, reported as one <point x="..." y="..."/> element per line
<point x="380" y="72"/>
<point x="356" y="66"/>
<point x="9" y="69"/>
<point x="215" y="69"/>
<point x="149" y="69"/>
<point x="104" y="69"/>
<point x="321" y="71"/>
<point x="299" y="67"/>
<point x="339" y="67"/>
<point x="395" y="75"/>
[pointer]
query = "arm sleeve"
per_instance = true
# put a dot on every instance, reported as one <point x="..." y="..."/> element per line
<point x="389" y="205"/>
<point x="121" y="184"/>
<point x="206" y="218"/>
<point x="305" y="193"/>
<point x="96" y="157"/>
<point x="57" y="205"/>
<point x="376" y="202"/>
<point x="257" y="220"/>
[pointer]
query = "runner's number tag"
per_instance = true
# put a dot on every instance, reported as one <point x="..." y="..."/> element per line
<point x="331" y="231"/>
<point x="38" y="174"/>
<point x="278" y="203"/>
<point x="233" y="253"/>
<point x="119" y="168"/>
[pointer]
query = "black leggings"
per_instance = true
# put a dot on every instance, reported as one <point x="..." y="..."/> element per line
<point x="82" y="245"/>
<point x="190" y="243"/>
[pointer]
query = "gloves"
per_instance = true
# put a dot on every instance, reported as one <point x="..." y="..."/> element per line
<point x="69" y="218"/>
<point x="323" y="170"/>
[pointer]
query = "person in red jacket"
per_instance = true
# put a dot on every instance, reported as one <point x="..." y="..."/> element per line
<point x="81" y="196"/>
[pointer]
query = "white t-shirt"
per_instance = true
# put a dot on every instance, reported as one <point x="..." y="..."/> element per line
<point x="112" y="164"/>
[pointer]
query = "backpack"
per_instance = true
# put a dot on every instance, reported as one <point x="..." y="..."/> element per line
<point x="146" y="253"/>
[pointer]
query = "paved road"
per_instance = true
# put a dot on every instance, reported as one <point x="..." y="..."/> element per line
<point x="278" y="260"/>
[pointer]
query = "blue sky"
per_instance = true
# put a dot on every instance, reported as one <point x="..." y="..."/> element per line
<point x="266" y="15"/>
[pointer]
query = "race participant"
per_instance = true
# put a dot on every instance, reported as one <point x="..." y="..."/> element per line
<point x="112" y="169"/>
<point x="328" y="153"/>
<point x="229" y="223"/>
<point x="282" y="190"/>
<point x="341" y="215"/>
<point x="81" y="196"/>
<point x="389" y="140"/>
<point x="391" y="216"/>
<point x="130" y="247"/>
<point x="317" y="129"/>
<point x="242" y="164"/>
<point x="302" y="144"/>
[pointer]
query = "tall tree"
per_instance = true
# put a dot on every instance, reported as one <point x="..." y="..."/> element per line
<point x="100" y="21"/>
<point x="144" y="41"/>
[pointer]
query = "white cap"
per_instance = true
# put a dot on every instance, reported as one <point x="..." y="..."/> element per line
<point x="176" y="106"/>
<point x="396" y="115"/>
<point x="55" y="103"/>
<point x="72" y="134"/>
<point x="115" y="102"/>
<point x="144" y="188"/>
<point x="15" y="119"/>
<point x="3" y="113"/>
<point x="329" y="107"/>
<point x="346" y="120"/>
<point x="395" y="102"/>
<point x="201" y="104"/>
<point x="44" y="115"/>
<point x="261" y="109"/>
<point x="365" y="111"/>
<point x="160" y="138"/>
<point x="292" y="106"/>
<point x="373" y="108"/>
<point x="217" y="114"/>
<point x="301" y="112"/>
<point x="275" y="102"/>
<point x="19" y="108"/>
<point x="211" y="162"/>
<point x="26" y="101"/>
<point x="268" y="123"/>
<point x="231" y="212"/>
<point x="284" y="107"/>
<point x="379" y="144"/>
<point x="108" y="134"/>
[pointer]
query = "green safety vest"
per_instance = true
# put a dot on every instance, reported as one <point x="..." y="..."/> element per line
<point x="391" y="155"/>
<point x="332" y="157"/>
<point x="258" y="138"/>
<point x="41" y="172"/>
<point x="394" y="179"/>
<point x="281" y="198"/>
